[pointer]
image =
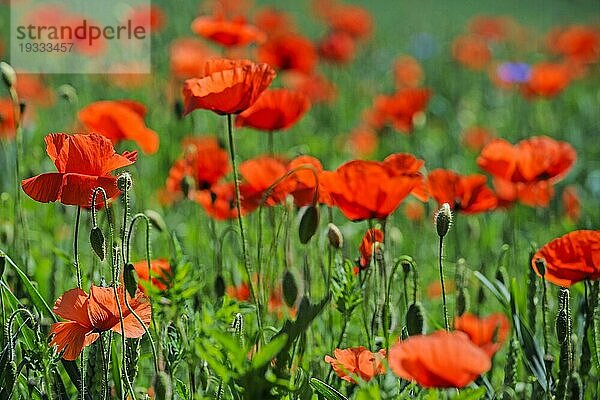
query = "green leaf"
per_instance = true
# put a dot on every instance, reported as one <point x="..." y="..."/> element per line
<point x="309" y="223"/>
<point x="269" y="351"/>
<point x="129" y="279"/>
<point x="470" y="394"/>
<point x="325" y="390"/>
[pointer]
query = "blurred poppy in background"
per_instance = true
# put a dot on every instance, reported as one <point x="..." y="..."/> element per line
<point x="464" y="193"/>
<point x="356" y="362"/>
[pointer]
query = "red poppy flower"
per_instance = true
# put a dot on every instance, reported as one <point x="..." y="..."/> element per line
<point x="289" y="52"/>
<point x="275" y="110"/>
<point x="204" y="161"/>
<point x="362" y="141"/>
<point x="160" y="270"/>
<point x="547" y="80"/>
<point x="305" y="185"/>
<point x="533" y="194"/>
<point x="399" y="109"/>
<point x="337" y="47"/>
<point x="351" y="19"/>
<point x="88" y="315"/>
<point x="316" y="87"/>
<point x="475" y="138"/>
<point x="405" y="163"/>
<point x="219" y="201"/>
<point x="369" y="189"/>
<point x="277" y="306"/>
<point x="488" y="333"/>
<point x="8" y="128"/>
<point x="188" y="55"/>
<point x="151" y="17"/>
<point x="356" y="362"/>
<point x="439" y="360"/>
<point x="538" y="158"/>
<point x="465" y="193"/>
<point x="414" y="211"/>
<point x="571" y="258"/>
<point x="274" y="22"/>
<point x="84" y="162"/>
<point x="471" y="51"/>
<point x="434" y="289"/>
<point x="371" y="241"/>
<point x="227" y="86"/>
<point x="228" y="33"/>
<point x="240" y="292"/>
<point x="120" y="120"/>
<point x="490" y="27"/>
<point x="571" y="203"/>
<point x="407" y="72"/>
<point x="259" y="174"/>
<point x="578" y="43"/>
<point x="32" y="89"/>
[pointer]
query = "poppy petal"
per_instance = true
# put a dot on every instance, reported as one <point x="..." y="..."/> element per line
<point x="78" y="189"/>
<point x="71" y="338"/>
<point x="45" y="187"/>
<point x="72" y="305"/>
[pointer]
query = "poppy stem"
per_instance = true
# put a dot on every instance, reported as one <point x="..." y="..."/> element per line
<point x="76" y="248"/>
<point x="446" y="324"/>
<point x="241" y="221"/>
<point x="270" y="143"/>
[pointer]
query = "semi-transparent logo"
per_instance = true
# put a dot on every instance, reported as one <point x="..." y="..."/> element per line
<point x="80" y="36"/>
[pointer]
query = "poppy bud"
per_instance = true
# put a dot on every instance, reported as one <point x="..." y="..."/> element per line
<point x="8" y="74"/>
<point x="68" y="93"/>
<point x="220" y="286"/>
<point x="187" y="185"/>
<point x="98" y="243"/>
<point x="414" y="319"/>
<point x="540" y="264"/>
<point x="124" y="181"/>
<point x="309" y="223"/>
<point x="562" y="326"/>
<point x="462" y="301"/>
<point x="406" y="266"/>
<point x="575" y="387"/>
<point x="290" y="289"/>
<point x="156" y="220"/>
<point x="129" y="279"/>
<point x="2" y="264"/>
<point x="178" y="109"/>
<point x="22" y="107"/>
<point x="162" y="386"/>
<point x="336" y="239"/>
<point x="443" y="220"/>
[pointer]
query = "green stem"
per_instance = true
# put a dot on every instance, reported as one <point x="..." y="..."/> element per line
<point x="76" y="249"/>
<point x="446" y="324"/>
<point x="238" y="205"/>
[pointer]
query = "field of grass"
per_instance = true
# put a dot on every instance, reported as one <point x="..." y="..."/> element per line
<point x="464" y="268"/>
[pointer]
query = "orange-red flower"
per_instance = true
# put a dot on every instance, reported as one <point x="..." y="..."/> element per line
<point x="538" y="158"/>
<point x="31" y="88"/>
<point x="159" y="269"/>
<point x="120" y="120"/>
<point x="471" y="51"/>
<point x="578" y="43"/>
<point x="356" y="362"/>
<point x="533" y="194"/>
<point x="8" y="128"/>
<point x="439" y="360"/>
<point x="305" y="183"/>
<point x="275" y="110"/>
<point x="571" y="258"/>
<point x="274" y="22"/>
<point x="240" y="292"/>
<point x="475" y="138"/>
<point x="547" y="79"/>
<point x="219" y="201"/>
<point x="289" y="52"/>
<point x="362" y="141"/>
<point x="228" y="33"/>
<point x="259" y="174"/>
<point x="89" y="315"/>
<point x="490" y="27"/>
<point x="351" y="19"/>
<point x="407" y="72"/>
<point x="316" y="87"/>
<point x="405" y="163"/>
<point x="465" y="193"/>
<point x="371" y="241"/>
<point x="571" y="203"/>
<point x="227" y="86"/>
<point x="414" y="210"/>
<point x="151" y="17"/>
<point x="369" y="189"/>
<point x="338" y="47"/>
<point x="489" y="333"/>
<point x="188" y="55"/>
<point x="204" y="161"/>
<point x="84" y="162"/>
<point x="399" y="109"/>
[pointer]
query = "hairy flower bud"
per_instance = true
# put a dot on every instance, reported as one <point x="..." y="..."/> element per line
<point x="336" y="239"/>
<point x="443" y="220"/>
<point x="124" y="181"/>
<point x="9" y="75"/>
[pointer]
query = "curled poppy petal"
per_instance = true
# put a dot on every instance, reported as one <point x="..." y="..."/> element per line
<point x="44" y="188"/>
<point x="356" y="362"/>
<point x="570" y="258"/>
<point x="274" y="110"/>
<point x="71" y="337"/>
